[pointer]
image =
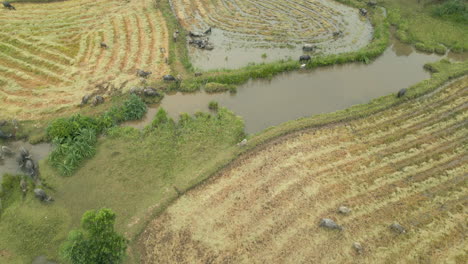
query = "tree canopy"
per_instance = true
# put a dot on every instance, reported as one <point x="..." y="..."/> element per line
<point x="96" y="241"/>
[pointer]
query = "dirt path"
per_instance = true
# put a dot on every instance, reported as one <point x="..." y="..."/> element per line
<point x="401" y="165"/>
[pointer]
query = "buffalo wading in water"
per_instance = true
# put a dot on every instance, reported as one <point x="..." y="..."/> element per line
<point x="8" y="6"/>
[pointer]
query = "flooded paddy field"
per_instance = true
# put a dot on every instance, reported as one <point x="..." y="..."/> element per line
<point x="263" y="31"/>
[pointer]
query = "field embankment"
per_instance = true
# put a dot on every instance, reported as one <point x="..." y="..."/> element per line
<point x="50" y="53"/>
<point x="406" y="164"/>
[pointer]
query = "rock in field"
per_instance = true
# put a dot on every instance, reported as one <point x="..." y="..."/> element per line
<point x="344" y="210"/>
<point x="397" y="228"/>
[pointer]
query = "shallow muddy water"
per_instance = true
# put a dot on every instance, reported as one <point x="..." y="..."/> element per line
<point x="288" y="96"/>
<point x="9" y="164"/>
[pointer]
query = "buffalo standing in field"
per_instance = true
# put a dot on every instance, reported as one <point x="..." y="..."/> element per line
<point x="42" y="196"/>
<point x="169" y="78"/>
<point x="372" y="3"/>
<point x="143" y="74"/>
<point x="98" y="100"/>
<point x="103" y="45"/>
<point x="7" y="5"/>
<point x="304" y="58"/>
<point x="308" y="47"/>
<point x="27" y="164"/>
<point x="363" y="11"/>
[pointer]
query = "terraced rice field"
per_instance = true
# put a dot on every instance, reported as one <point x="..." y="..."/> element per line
<point x="276" y="23"/>
<point x="408" y="164"/>
<point x="50" y="54"/>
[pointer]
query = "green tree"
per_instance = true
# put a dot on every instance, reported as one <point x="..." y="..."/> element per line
<point x="96" y="242"/>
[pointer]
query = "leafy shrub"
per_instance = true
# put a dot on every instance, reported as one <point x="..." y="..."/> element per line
<point x="69" y="127"/>
<point x="70" y="152"/>
<point x="213" y="106"/>
<point x="456" y="10"/>
<point x="161" y="118"/>
<point x="134" y="108"/>
<point x="96" y="241"/>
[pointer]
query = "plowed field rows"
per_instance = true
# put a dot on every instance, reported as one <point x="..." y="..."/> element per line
<point x="282" y="22"/>
<point x="50" y="54"/>
<point x="408" y="164"/>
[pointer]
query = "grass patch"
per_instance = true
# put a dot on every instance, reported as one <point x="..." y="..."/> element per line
<point x="417" y="23"/>
<point x="219" y="88"/>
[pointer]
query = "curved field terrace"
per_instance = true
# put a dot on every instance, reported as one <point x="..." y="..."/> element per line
<point x="50" y="54"/>
<point x="406" y="165"/>
<point x="244" y="30"/>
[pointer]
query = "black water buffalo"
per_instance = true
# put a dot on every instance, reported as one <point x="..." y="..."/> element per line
<point x="103" y="45"/>
<point x="330" y="224"/>
<point x="401" y="93"/>
<point x="372" y="3"/>
<point x="85" y="99"/>
<point x="143" y="74"/>
<point x="98" y="100"/>
<point x="150" y="92"/>
<point x="208" y="31"/>
<point x="308" y="47"/>
<point x="42" y="196"/>
<point x="363" y="11"/>
<point x="304" y="58"/>
<point x="8" y="6"/>
<point x="169" y="78"/>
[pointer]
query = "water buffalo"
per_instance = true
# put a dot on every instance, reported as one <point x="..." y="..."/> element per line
<point x="337" y="34"/>
<point x="85" y="99"/>
<point x="7" y="5"/>
<point x="198" y="74"/>
<point x="372" y="3"/>
<point x="208" y="31"/>
<point x="98" y="100"/>
<point x="142" y="73"/>
<point x="104" y="45"/>
<point x="401" y="93"/>
<point x="344" y="210"/>
<point x="196" y="34"/>
<point x="308" y="47"/>
<point x="357" y="246"/>
<point x="3" y="135"/>
<point x="151" y="92"/>
<point x="304" y="58"/>
<point x="136" y="90"/>
<point x="397" y="228"/>
<point x="42" y="196"/>
<point x="175" y="35"/>
<point x="363" y="11"/>
<point x="169" y="78"/>
<point x="6" y="150"/>
<point x="330" y="224"/>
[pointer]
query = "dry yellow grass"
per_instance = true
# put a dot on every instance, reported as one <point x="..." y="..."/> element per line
<point x="407" y="164"/>
<point x="50" y="54"/>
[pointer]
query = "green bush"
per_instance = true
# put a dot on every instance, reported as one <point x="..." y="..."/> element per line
<point x="161" y="118"/>
<point x="69" y="153"/>
<point x="455" y="10"/>
<point x="134" y="108"/>
<point x="63" y="128"/>
<point x="96" y="242"/>
<point x="213" y="106"/>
